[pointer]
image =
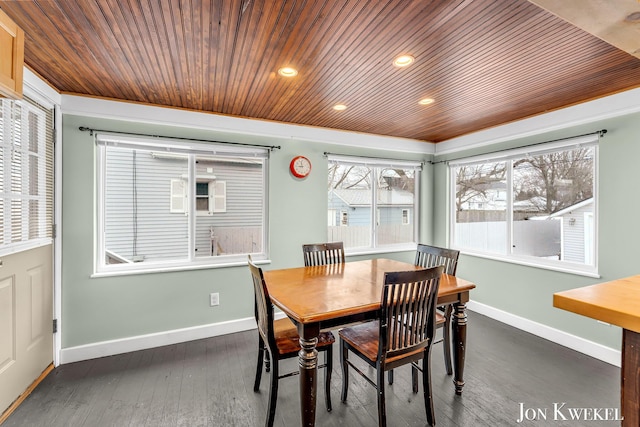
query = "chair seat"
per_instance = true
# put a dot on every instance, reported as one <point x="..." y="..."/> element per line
<point x="365" y="337"/>
<point x="288" y="340"/>
<point x="284" y="326"/>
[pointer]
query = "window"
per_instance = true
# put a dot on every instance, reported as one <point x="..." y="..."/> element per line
<point x="168" y="203"/>
<point x="26" y="175"/>
<point x="537" y="206"/>
<point x="405" y="216"/>
<point x="375" y="199"/>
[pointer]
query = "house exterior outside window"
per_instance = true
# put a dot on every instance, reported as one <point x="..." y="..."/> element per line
<point x="375" y="199"/>
<point x="166" y="204"/>
<point x="535" y="206"/>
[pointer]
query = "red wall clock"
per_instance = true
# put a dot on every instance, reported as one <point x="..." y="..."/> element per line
<point x="300" y="166"/>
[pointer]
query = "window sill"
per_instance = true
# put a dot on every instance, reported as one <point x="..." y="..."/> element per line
<point x="405" y="247"/>
<point x="178" y="266"/>
<point x="530" y="263"/>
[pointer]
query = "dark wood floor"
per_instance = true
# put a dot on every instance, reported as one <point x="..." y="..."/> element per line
<point x="210" y="383"/>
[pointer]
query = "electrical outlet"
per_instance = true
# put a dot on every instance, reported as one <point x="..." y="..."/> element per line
<point x="214" y="299"/>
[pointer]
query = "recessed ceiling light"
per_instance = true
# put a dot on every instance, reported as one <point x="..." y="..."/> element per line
<point x="634" y="17"/>
<point x="288" y="72"/>
<point x="403" y="60"/>
<point x="426" y="101"/>
<point x="339" y="107"/>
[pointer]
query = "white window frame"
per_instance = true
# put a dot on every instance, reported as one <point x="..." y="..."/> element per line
<point x="507" y="156"/>
<point x="43" y="231"/>
<point x="216" y="195"/>
<point x="382" y="163"/>
<point x="344" y="218"/>
<point x="172" y="148"/>
<point x="406" y="218"/>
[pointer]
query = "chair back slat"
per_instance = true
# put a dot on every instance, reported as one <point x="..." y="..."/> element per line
<point x="263" y="309"/>
<point x="407" y="320"/>
<point x="431" y="256"/>
<point x="323" y="253"/>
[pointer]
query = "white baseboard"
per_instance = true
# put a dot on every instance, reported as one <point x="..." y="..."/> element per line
<point x="141" y="342"/>
<point x="590" y="348"/>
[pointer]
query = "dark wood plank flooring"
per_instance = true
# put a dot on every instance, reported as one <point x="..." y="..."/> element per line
<point x="210" y="383"/>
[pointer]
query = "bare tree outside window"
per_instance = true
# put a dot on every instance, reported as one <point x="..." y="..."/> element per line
<point x="552" y="182"/>
<point x="548" y="197"/>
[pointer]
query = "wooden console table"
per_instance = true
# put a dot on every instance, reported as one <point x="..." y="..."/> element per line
<point x="617" y="303"/>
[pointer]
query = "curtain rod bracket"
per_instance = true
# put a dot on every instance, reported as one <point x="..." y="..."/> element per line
<point x="85" y="129"/>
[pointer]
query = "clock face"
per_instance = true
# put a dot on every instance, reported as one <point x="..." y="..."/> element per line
<point x="300" y="166"/>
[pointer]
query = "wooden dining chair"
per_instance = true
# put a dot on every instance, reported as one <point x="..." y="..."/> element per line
<point x="279" y="338"/>
<point x="431" y="256"/>
<point x="323" y="253"/>
<point x="403" y="334"/>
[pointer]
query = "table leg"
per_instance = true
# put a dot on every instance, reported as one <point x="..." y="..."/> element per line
<point x="459" y="345"/>
<point x="308" y="357"/>
<point x="630" y="382"/>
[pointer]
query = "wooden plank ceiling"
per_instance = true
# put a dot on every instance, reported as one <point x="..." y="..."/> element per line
<point x="484" y="62"/>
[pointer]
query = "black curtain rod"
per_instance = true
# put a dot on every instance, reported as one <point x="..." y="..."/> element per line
<point x="600" y="133"/>
<point x="91" y="131"/>
<point x="327" y="153"/>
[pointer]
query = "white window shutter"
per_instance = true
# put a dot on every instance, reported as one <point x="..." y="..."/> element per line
<point x="178" y="196"/>
<point x="219" y="193"/>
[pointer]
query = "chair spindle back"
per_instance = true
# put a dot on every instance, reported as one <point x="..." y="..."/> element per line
<point x="408" y="304"/>
<point x="323" y="253"/>
<point x="431" y="256"/>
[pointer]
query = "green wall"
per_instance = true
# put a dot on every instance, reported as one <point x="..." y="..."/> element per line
<point x="528" y="292"/>
<point x="116" y="307"/>
<point x="111" y="308"/>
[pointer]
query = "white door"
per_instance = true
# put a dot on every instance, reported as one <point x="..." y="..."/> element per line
<point x="26" y="335"/>
<point x="26" y="246"/>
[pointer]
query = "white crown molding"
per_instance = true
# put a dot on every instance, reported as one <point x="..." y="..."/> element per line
<point x="590" y="348"/>
<point x="37" y="89"/>
<point x="617" y="105"/>
<point x="276" y="131"/>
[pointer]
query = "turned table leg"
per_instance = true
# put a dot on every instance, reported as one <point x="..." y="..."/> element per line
<point x="308" y="358"/>
<point x="459" y="345"/>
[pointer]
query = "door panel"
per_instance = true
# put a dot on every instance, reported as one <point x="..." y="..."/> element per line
<point x="7" y="323"/>
<point x="26" y="313"/>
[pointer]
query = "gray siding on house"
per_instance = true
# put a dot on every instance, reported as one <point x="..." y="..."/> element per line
<point x="361" y="215"/>
<point x="156" y="234"/>
<point x="239" y="229"/>
<point x="160" y="234"/>
<point x="574" y="234"/>
<point x="393" y="214"/>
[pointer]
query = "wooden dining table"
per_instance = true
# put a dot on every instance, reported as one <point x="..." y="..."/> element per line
<point x="617" y="303"/>
<point x="324" y="297"/>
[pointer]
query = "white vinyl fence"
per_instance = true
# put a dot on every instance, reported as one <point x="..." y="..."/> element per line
<point x="360" y="236"/>
<point x="535" y="238"/>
